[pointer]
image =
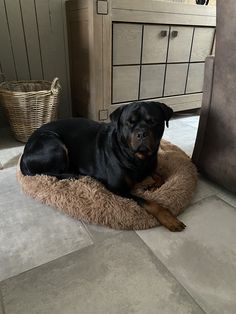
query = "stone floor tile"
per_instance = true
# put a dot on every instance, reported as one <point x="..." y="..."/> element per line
<point x="10" y="149"/>
<point x="181" y="135"/>
<point x="7" y="139"/>
<point x="227" y="196"/>
<point x="203" y="257"/>
<point x="204" y="189"/>
<point x="1" y="305"/>
<point x="31" y="233"/>
<point x="119" y="275"/>
<point x="100" y="233"/>
<point x="192" y="121"/>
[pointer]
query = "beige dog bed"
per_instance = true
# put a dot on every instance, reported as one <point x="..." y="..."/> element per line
<point x="88" y="200"/>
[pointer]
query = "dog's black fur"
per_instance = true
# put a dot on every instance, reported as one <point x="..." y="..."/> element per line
<point x="73" y="147"/>
<point x="119" y="154"/>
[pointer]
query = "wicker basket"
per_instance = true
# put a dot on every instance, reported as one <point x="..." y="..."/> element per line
<point x="29" y="104"/>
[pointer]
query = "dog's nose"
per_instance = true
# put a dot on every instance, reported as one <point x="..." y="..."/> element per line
<point x="142" y="134"/>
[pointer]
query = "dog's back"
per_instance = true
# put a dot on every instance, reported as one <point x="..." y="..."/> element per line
<point x="60" y="146"/>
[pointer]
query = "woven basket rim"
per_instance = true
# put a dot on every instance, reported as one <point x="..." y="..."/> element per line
<point x="6" y="91"/>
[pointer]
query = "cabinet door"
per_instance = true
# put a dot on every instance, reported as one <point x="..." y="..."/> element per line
<point x="125" y="83"/>
<point x="195" y="78"/>
<point x="176" y="75"/>
<point x="155" y="41"/>
<point x="152" y="78"/>
<point x="126" y="43"/>
<point x="202" y="43"/>
<point x="180" y="43"/>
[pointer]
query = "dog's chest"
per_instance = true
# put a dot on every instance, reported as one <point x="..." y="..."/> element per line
<point x="142" y="172"/>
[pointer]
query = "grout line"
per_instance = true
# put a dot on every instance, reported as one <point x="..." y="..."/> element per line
<point x="220" y="195"/>
<point x="110" y="234"/>
<point x="155" y="257"/>
<point x="45" y="264"/>
<point x="1" y="301"/>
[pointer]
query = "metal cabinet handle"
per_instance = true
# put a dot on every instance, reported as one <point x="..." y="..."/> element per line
<point x="174" y="34"/>
<point x="163" y="33"/>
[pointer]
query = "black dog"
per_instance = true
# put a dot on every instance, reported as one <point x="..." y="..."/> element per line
<point x="119" y="154"/>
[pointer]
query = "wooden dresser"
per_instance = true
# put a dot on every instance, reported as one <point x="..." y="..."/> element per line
<point x="126" y="50"/>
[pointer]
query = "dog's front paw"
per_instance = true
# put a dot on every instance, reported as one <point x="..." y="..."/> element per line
<point x="176" y="226"/>
<point x="171" y="222"/>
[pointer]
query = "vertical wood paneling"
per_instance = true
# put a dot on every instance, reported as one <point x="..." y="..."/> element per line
<point x="18" y="39"/>
<point x="32" y="39"/>
<point x="95" y="33"/>
<point x="67" y="63"/>
<point x="6" y="55"/>
<point x="33" y="43"/>
<point x="57" y="20"/>
<point x="53" y="46"/>
<point x="45" y="29"/>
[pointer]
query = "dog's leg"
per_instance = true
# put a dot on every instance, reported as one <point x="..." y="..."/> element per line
<point x="163" y="215"/>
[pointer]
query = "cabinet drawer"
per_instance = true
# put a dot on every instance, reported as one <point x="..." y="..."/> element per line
<point x="125" y="83"/>
<point x="152" y="78"/>
<point x="180" y="43"/>
<point x="202" y="43"/>
<point x="195" y="78"/>
<point x="155" y="41"/>
<point x="176" y="75"/>
<point x="126" y="43"/>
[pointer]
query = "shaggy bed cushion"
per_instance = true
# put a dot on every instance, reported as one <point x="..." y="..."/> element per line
<point x="88" y="200"/>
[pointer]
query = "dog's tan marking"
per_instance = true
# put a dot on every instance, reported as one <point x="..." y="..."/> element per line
<point x="164" y="216"/>
<point x="140" y="156"/>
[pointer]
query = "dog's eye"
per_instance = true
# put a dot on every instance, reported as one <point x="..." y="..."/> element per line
<point x="151" y="121"/>
<point x="132" y="121"/>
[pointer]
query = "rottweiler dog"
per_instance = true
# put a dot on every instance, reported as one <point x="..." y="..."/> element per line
<point x="119" y="154"/>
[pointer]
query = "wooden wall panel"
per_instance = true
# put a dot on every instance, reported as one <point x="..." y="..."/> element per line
<point x="13" y="11"/>
<point x="33" y="43"/>
<point x="32" y="39"/>
<point x="6" y="53"/>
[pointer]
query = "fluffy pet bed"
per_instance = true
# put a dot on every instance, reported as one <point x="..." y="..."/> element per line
<point x="88" y="200"/>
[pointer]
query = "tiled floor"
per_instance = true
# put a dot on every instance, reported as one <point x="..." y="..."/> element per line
<point x="50" y="263"/>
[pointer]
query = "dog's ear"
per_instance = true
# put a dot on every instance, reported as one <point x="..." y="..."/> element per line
<point x="167" y="111"/>
<point x="115" y="115"/>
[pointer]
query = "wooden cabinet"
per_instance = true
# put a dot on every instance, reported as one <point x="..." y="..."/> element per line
<point x="127" y="39"/>
<point x="202" y="43"/>
<point x="168" y="59"/>
<point x="180" y="40"/>
<point x="195" y="77"/>
<point x="152" y="80"/>
<point x="155" y="42"/>
<point x="137" y="50"/>
<point x="125" y="83"/>
<point x="176" y="75"/>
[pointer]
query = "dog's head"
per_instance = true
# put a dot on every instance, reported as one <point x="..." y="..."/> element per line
<point x="140" y="126"/>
